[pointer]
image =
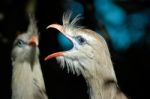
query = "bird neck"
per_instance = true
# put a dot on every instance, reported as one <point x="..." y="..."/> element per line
<point x="103" y="87"/>
<point x="22" y="80"/>
<point x="27" y="81"/>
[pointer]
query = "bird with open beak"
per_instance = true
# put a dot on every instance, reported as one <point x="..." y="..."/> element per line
<point x="27" y="78"/>
<point x="90" y="57"/>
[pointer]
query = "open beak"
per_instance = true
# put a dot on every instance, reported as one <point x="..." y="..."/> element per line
<point x="34" y="40"/>
<point x="61" y="29"/>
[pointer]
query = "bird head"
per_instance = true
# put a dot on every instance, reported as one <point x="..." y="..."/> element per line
<point x="89" y="54"/>
<point x="25" y="46"/>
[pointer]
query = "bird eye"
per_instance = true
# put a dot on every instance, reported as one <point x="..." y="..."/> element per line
<point x="80" y="40"/>
<point x="20" y="43"/>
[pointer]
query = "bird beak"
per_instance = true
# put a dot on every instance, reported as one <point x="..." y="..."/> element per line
<point x="53" y="55"/>
<point x="61" y="29"/>
<point x="34" y="40"/>
<point x="58" y="27"/>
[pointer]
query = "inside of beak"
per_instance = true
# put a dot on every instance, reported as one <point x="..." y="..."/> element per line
<point x="34" y="40"/>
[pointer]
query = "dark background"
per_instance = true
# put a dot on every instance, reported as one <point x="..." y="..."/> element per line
<point x="131" y="65"/>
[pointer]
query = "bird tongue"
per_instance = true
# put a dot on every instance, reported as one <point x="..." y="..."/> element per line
<point x="53" y="55"/>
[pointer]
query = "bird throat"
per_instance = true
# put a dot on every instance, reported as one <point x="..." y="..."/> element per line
<point x="22" y="78"/>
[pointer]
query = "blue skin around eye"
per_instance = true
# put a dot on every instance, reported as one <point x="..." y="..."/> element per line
<point x="80" y="40"/>
<point x="21" y="43"/>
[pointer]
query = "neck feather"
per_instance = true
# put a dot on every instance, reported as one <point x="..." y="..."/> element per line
<point x="22" y="81"/>
<point x="27" y="81"/>
<point x="103" y="87"/>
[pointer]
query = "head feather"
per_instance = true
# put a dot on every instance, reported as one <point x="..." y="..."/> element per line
<point x="32" y="28"/>
<point x="69" y="22"/>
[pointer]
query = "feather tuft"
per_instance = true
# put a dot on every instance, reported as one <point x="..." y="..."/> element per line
<point x="69" y="22"/>
<point x="71" y="65"/>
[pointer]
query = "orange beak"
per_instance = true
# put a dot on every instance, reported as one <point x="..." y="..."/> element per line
<point x="34" y="40"/>
<point x="53" y="55"/>
<point x="58" y="27"/>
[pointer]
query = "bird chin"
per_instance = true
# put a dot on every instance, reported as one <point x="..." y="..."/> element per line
<point x="71" y="65"/>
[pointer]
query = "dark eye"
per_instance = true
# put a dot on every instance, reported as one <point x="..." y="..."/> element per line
<point x="80" y="40"/>
<point x="20" y="43"/>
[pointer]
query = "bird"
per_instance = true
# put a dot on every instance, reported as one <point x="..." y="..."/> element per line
<point x="89" y="57"/>
<point x="27" y="77"/>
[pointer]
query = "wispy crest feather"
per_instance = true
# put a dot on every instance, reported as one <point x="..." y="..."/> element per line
<point x="32" y="28"/>
<point x="68" y="22"/>
<point x="30" y="10"/>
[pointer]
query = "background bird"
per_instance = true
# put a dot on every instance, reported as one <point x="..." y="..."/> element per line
<point x="27" y="78"/>
<point x="90" y="57"/>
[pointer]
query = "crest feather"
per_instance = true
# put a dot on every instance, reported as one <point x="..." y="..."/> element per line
<point x="32" y="28"/>
<point x="68" y="21"/>
<point x="30" y="10"/>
